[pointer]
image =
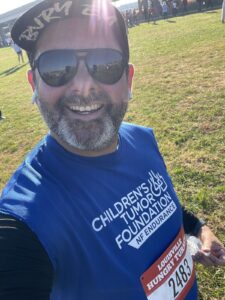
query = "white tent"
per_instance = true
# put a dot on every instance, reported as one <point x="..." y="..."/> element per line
<point x="123" y="5"/>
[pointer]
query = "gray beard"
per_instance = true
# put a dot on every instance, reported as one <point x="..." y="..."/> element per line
<point x="92" y="135"/>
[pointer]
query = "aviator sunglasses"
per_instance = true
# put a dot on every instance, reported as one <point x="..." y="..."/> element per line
<point x="58" y="67"/>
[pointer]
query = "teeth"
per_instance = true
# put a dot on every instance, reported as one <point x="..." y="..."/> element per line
<point x="85" y="108"/>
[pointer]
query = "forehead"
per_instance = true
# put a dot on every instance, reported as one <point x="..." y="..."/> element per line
<point x="78" y="33"/>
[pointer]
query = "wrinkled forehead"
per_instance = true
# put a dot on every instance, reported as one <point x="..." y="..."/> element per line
<point x="80" y="32"/>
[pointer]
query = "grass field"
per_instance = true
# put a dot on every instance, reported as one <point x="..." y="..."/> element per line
<point x="179" y="90"/>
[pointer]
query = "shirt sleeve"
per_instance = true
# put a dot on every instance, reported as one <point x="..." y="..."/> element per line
<point x="26" y="271"/>
<point x="192" y="224"/>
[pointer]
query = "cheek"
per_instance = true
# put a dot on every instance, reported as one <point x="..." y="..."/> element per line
<point x="48" y="93"/>
<point x="119" y="91"/>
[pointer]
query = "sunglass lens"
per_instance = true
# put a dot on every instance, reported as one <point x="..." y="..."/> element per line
<point x="105" y="65"/>
<point x="57" y="67"/>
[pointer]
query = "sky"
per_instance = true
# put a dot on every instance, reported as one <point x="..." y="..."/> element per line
<point x="7" y="5"/>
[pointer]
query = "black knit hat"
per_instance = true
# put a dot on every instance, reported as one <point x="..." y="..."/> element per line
<point x="28" y="28"/>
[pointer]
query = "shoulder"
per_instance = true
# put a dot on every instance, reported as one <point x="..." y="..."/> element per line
<point x="137" y="133"/>
<point x="138" y="136"/>
<point x="25" y="188"/>
<point x="129" y="128"/>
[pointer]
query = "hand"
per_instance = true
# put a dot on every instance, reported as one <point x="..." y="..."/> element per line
<point x="212" y="252"/>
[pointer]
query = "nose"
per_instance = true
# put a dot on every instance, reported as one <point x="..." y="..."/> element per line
<point x="82" y="83"/>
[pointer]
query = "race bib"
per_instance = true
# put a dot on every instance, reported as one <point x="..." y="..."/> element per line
<point x="172" y="275"/>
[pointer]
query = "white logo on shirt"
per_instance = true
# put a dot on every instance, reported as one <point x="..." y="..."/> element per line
<point x="142" y="211"/>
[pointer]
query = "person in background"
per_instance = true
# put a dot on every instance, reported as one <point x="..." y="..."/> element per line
<point x="152" y="13"/>
<point x="19" y="52"/>
<point x="164" y="10"/>
<point x="145" y="9"/>
<point x="185" y="5"/>
<point x="1" y="116"/>
<point x="209" y="4"/>
<point x="223" y="12"/>
<point x="91" y="213"/>
<point x="135" y="17"/>
<point x="131" y="18"/>
<point x="200" y="3"/>
<point x="174" y="8"/>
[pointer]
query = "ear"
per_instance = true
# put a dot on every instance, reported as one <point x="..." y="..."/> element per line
<point x="30" y="78"/>
<point x="130" y="76"/>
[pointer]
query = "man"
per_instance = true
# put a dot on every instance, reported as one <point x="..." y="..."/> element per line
<point x="165" y="9"/>
<point x="19" y="52"/>
<point x="223" y="12"/>
<point x="91" y="213"/>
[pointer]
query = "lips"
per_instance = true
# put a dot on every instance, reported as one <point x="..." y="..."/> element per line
<point x="85" y="109"/>
<point x="85" y="113"/>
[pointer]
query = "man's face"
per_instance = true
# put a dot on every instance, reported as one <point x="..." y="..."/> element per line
<point x="83" y="113"/>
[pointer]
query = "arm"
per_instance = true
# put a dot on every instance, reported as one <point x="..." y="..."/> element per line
<point x="25" y="269"/>
<point x="192" y="224"/>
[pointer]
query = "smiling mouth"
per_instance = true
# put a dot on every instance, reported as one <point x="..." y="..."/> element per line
<point x="85" y="110"/>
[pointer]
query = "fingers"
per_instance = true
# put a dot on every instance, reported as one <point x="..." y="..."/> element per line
<point x="203" y="259"/>
<point x="209" y="259"/>
<point x="218" y="261"/>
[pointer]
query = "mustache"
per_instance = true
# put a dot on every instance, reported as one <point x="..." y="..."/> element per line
<point x="93" y="97"/>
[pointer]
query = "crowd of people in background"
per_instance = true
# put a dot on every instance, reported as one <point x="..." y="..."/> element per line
<point x="151" y="10"/>
<point x="8" y="42"/>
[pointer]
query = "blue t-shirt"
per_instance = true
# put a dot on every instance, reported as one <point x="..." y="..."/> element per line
<point x="102" y="220"/>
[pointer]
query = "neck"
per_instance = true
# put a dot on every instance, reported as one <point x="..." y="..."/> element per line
<point x="88" y="153"/>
